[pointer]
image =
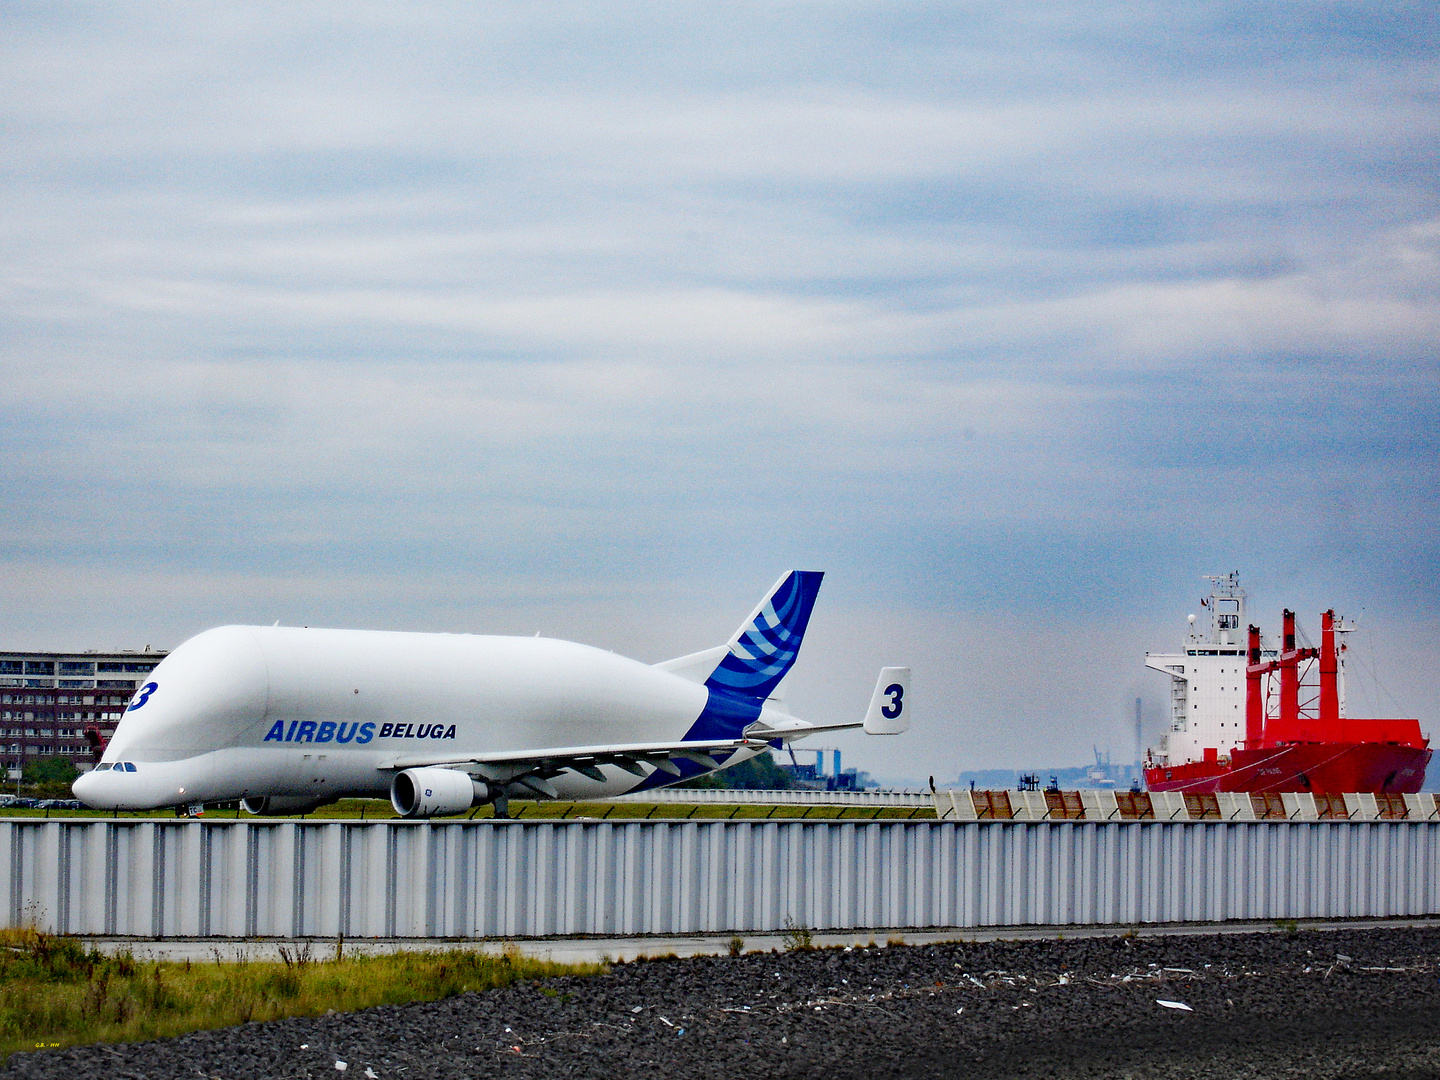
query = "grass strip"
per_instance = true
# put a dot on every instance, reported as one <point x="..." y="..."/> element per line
<point x="55" y="991"/>
<point x="380" y="810"/>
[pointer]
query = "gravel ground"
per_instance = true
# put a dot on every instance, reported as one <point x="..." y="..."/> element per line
<point x="1337" y="1004"/>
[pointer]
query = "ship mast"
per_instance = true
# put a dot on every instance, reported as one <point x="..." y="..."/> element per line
<point x="1329" y="679"/>
<point x="1254" y="699"/>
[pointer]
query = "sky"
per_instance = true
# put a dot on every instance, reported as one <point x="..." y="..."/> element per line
<point x="594" y="319"/>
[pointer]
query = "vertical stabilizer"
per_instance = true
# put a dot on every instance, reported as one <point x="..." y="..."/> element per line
<point x="763" y="650"/>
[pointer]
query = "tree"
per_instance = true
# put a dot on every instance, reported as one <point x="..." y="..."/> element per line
<point x="759" y="773"/>
<point x="50" y="770"/>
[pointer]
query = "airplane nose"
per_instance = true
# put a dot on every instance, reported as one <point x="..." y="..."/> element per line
<point x="86" y="788"/>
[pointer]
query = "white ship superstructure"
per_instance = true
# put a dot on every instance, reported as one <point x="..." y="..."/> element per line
<point x="1207" y="680"/>
<point x="1247" y="718"/>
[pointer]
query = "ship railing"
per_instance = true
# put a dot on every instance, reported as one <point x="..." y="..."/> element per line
<point x="958" y="804"/>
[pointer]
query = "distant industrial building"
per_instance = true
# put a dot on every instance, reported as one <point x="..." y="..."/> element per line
<point x="816" y="778"/>
<point x="48" y="701"/>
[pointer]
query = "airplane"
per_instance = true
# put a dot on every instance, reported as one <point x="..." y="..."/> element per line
<point x="286" y="719"/>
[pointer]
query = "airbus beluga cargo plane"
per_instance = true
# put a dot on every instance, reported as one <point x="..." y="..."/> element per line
<point x="287" y="719"/>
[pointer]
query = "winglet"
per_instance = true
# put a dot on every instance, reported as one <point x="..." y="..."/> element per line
<point x="889" y="712"/>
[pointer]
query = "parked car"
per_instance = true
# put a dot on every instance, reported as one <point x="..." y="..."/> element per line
<point x="57" y="804"/>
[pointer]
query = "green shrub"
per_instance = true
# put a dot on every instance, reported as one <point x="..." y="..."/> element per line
<point x="56" y="992"/>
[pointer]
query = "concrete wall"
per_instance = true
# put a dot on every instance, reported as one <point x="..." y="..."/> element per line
<point x="521" y="879"/>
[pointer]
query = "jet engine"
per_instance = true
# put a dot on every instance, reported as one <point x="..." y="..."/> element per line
<point x="280" y="804"/>
<point x="423" y="793"/>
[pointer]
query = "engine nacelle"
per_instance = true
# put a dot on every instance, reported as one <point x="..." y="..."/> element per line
<point x="280" y="804"/>
<point x="423" y="793"/>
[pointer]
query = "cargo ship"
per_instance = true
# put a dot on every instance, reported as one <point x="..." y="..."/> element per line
<point x="1246" y="717"/>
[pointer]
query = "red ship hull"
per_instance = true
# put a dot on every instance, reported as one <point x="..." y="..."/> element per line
<point x="1307" y="766"/>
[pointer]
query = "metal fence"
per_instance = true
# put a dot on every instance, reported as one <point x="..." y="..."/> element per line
<point x="1092" y="805"/>
<point x="483" y="878"/>
<point x="785" y="797"/>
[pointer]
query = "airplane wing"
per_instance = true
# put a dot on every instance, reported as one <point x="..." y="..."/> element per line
<point x="535" y="768"/>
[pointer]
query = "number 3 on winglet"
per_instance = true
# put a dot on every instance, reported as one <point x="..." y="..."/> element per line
<point x="896" y="693"/>
<point x="887" y="714"/>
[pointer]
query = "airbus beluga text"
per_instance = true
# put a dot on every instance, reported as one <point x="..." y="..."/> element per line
<point x="286" y="719"/>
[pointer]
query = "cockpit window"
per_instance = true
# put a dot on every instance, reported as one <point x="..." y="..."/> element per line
<point x="102" y="766"/>
<point x="129" y="766"/>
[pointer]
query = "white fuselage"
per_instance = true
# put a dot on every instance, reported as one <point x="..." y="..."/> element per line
<point x="251" y="712"/>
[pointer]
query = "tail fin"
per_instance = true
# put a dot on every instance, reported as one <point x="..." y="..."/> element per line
<point x="764" y="648"/>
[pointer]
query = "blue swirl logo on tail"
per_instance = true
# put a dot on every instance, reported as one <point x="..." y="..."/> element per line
<point x="763" y="651"/>
<point x="759" y="655"/>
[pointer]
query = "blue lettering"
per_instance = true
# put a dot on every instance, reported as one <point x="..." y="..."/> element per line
<point x="367" y="732"/>
<point x="293" y="725"/>
<point x="409" y="731"/>
<point x="422" y="731"/>
<point x="326" y="731"/>
<point x="306" y="732"/>
<point x="342" y="736"/>
<point x="277" y="732"/>
<point x="386" y="730"/>
<point x="438" y="731"/>
<point x="450" y="732"/>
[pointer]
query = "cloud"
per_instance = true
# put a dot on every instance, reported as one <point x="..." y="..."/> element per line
<point x="598" y="315"/>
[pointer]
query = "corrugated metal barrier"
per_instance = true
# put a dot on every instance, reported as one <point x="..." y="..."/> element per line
<point x="483" y="878"/>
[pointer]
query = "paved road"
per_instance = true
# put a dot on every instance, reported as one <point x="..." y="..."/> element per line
<point x="622" y="949"/>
